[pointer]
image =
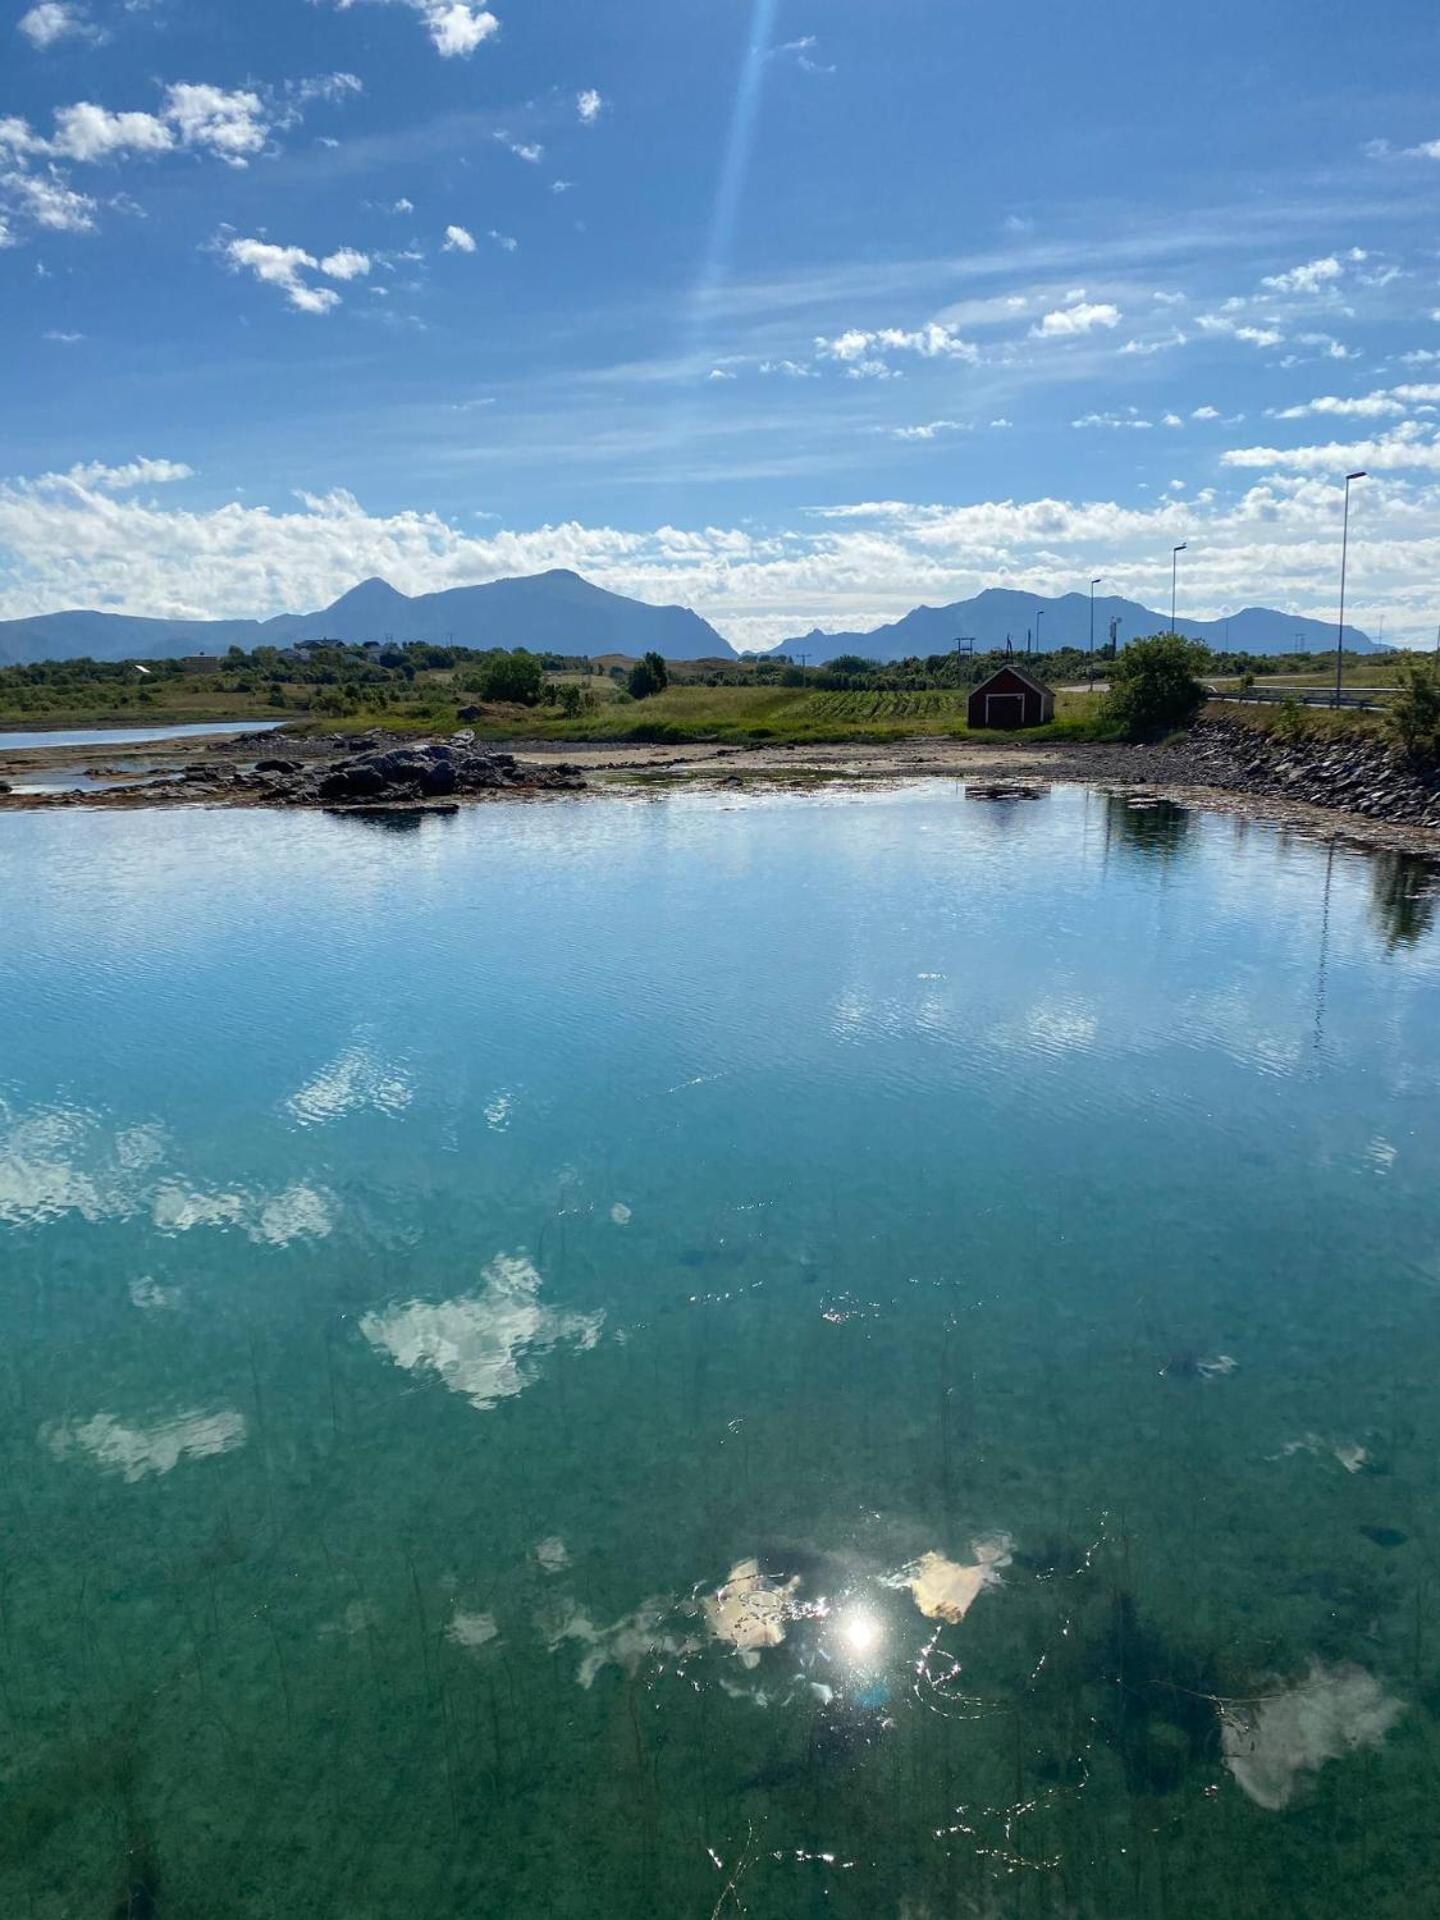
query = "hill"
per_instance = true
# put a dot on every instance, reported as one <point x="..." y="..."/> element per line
<point x="555" y="612"/>
<point x="1001" y="612"/>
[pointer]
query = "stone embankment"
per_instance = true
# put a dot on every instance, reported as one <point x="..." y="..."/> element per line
<point x="1350" y="773"/>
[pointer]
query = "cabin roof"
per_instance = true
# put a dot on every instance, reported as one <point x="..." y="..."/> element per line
<point x="1020" y="674"/>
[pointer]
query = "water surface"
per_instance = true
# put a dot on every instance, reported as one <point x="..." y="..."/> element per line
<point x="437" y="1255"/>
<point x="14" y="742"/>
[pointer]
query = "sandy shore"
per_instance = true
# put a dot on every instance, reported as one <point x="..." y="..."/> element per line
<point x="1162" y="771"/>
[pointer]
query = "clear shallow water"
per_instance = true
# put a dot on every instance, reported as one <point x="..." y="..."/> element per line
<point x="433" y="1257"/>
<point x="126" y="736"/>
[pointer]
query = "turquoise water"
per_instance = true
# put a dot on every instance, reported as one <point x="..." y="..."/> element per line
<point x="13" y="742"/>
<point x="437" y="1256"/>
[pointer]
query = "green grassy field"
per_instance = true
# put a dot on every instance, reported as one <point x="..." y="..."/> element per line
<point x="681" y="715"/>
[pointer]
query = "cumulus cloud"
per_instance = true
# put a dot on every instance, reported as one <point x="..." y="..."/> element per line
<point x="1129" y="417"/>
<point x="851" y="567"/>
<point x="1408" y="446"/>
<point x="282" y="267"/>
<point x="1314" y="277"/>
<point x="458" y="240"/>
<point x="506" y="241"/>
<point x="860" y="348"/>
<point x="54" y="20"/>
<point x="233" y="126"/>
<point x="1359" y="406"/>
<point x="455" y="27"/>
<point x="346" y="263"/>
<point x="140" y="472"/>
<point x="589" y="105"/>
<point x="1077" y="316"/>
<point x="47" y="201"/>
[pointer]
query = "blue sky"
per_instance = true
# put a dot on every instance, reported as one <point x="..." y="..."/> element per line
<point x="798" y="311"/>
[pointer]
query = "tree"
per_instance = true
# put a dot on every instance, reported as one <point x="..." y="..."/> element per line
<point x="512" y="677"/>
<point x="647" y="676"/>
<point x="1154" y="686"/>
<point x="1413" y="721"/>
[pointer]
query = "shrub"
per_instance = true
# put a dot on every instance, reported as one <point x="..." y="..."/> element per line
<point x="1154" y="686"/>
<point x="648" y="676"/>
<point x="1290" y="720"/>
<point x="1413" y="721"/>
<point x="513" y="677"/>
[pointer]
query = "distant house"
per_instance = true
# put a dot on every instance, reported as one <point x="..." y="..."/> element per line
<point x="1011" y="697"/>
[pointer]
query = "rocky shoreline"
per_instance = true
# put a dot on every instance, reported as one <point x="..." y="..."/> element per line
<point x="1345" y="773"/>
<point x="1346" y="785"/>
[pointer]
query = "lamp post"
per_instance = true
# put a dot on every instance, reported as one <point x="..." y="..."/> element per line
<point x="1039" y="616"/>
<point x="1093" y="584"/>
<point x="1344" y="555"/>
<point x="1175" y="554"/>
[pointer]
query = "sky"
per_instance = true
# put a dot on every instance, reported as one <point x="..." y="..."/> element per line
<point x="798" y="312"/>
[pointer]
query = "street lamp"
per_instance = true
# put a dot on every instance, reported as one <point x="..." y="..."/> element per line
<point x="1344" y="554"/>
<point x="1039" y="616"/>
<point x="1175" y="554"/>
<point x="1093" y="584"/>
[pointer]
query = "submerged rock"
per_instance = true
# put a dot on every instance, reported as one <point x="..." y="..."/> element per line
<point x="947" y="1589"/>
<point x="750" y="1609"/>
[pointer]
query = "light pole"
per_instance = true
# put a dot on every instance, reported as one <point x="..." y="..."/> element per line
<point x="1344" y="555"/>
<point x="1175" y="554"/>
<point x="1093" y="584"/>
<point x="1039" y="616"/>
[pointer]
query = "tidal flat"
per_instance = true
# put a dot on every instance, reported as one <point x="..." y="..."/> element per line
<point x="861" y="1350"/>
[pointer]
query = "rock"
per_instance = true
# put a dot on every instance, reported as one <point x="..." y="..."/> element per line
<point x="277" y="766"/>
<point x="468" y="713"/>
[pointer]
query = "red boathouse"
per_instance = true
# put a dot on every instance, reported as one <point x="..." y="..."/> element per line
<point x="1011" y="697"/>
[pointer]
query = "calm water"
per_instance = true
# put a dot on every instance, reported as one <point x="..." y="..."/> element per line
<point x="11" y="742"/>
<point x="437" y="1258"/>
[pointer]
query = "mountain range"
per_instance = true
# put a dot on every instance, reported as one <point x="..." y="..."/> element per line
<point x="559" y="612"/>
<point x="555" y="612"/>
<point x="1001" y="613"/>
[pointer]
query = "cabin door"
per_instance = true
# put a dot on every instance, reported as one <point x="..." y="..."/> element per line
<point x="1004" y="709"/>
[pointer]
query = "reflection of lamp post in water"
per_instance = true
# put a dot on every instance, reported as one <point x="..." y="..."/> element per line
<point x="1344" y="554"/>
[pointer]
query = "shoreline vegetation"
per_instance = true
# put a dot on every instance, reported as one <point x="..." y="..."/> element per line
<point x="1149" y="719"/>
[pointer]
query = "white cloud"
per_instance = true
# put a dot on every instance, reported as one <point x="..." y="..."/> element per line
<point x="140" y="472"/>
<point x="47" y="201"/>
<point x="1357" y="406"/>
<point x="505" y="240"/>
<point x="854" y="566"/>
<point x="933" y="341"/>
<point x="458" y="240"/>
<point x="1131" y="417"/>
<point x="1205" y="413"/>
<point x="561" y="186"/>
<point x="527" y="150"/>
<point x="719" y="373"/>
<point x="345" y="264"/>
<point x="1219" y="323"/>
<point x="230" y="125"/>
<point x="62" y="338"/>
<point x="1077" y="316"/>
<point x="457" y="28"/>
<point x="1409" y="446"/>
<point x="929" y="430"/>
<point x="54" y="20"/>
<point x="282" y="267"/>
<point x="589" y="105"/>
<point x="790" y="369"/>
<point x="86" y="132"/>
<point x="1314" y="277"/>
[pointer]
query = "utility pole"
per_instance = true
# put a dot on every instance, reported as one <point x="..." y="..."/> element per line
<point x="1115" y="637"/>
<point x="804" y="660"/>
<point x="1093" y="584"/>
<point x="1174" y="565"/>
<point x="1039" y="616"/>
<point x="1344" y="555"/>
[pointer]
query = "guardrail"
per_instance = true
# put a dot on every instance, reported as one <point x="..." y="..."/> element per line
<point x="1363" y="699"/>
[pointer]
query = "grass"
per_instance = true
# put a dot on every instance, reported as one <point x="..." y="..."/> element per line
<point x="684" y="715"/>
<point x="1300" y="722"/>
